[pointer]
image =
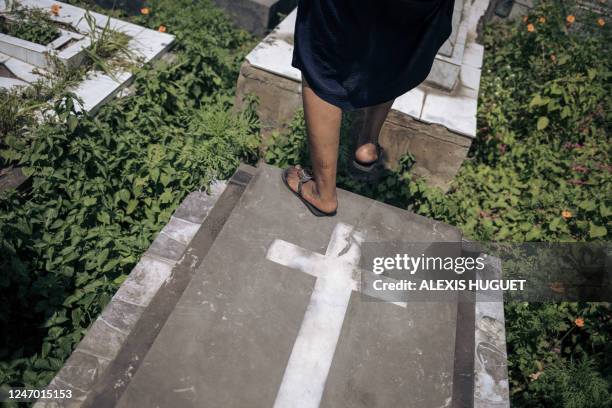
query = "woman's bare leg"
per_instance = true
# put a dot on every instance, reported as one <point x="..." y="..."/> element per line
<point x="374" y="117"/>
<point x="323" y="124"/>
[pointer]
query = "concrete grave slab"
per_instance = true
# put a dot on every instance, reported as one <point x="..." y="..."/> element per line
<point x="10" y="83"/>
<point x="21" y="69"/>
<point x="256" y="16"/>
<point x="222" y="332"/>
<point x="415" y="125"/>
<point x="98" y="87"/>
<point x="240" y="334"/>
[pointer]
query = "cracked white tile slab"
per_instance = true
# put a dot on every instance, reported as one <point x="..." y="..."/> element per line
<point x="22" y="70"/>
<point x="410" y="103"/>
<point x="457" y="113"/>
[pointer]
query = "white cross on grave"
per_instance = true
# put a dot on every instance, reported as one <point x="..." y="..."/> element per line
<point x="337" y="274"/>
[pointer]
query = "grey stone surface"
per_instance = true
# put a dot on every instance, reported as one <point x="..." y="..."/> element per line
<point x="279" y="97"/>
<point x="198" y="204"/>
<point x="438" y="152"/>
<point x="144" y="281"/>
<point x="81" y="370"/>
<point x="11" y="178"/>
<point x="121" y="315"/>
<point x="256" y="16"/>
<point x="112" y="383"/>
<point x="491" y="388"/>
<point x="518" y="11"/>
<point x="102" y="340"/>
<point x="165" y="247"/>
<point x="232" y="332"/>
<point x="393" y="357"/>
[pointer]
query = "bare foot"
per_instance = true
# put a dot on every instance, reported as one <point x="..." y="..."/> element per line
<point x="366" y="153"/>
<point x="310" y="192"/>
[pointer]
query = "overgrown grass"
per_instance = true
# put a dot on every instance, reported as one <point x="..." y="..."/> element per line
<point x="101" y="187"/>
<point x="32" y="25"/>
<point x="109" y="48"/>
<point x="108" y="53"/>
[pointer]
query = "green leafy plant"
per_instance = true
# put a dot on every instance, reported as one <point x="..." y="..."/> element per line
<point x="101" y="187"/>
<point x="29" y="24"/>
<point x="109" y="48"/>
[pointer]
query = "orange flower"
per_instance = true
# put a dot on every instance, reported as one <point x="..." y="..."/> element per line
<point x="557" y="287"/>
<point x="566" y="214"/>
<point x="542" y="20"/>
<point x="579" y="322"/>
<point x="535" y="375"/>
<point x="145" y="10"/>
<point x="570" y="19"/>
<point x="162" y="29"/>
<point x="55" y="9"/>
<point x="601" y="22"/>
<point x="530" y="28"/>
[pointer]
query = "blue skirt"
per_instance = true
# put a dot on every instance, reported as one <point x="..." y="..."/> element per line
<point x="358" y="53"/>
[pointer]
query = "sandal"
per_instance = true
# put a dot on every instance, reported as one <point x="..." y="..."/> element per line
<point x="368" y="170"/>
<point x="304" y="177"/>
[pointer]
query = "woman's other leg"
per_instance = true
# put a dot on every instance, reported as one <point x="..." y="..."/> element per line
<point x="374" y="117"/>
<point x="323" y="125"/>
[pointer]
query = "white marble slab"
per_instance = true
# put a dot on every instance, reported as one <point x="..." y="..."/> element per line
<point x="473" y="55"/>
<point x="10" y="83"/>
<point x="410" y="103"/>
<point x="457" y="113"/>
<point x="470" y="77"/>
<point x="22" y="70"/>
<point x="276" y="58"/>
<point x="99" y="88"/>
<point x="275" y="52"/>
<point x="149" y="44"/>
<point x="38" y="55"/>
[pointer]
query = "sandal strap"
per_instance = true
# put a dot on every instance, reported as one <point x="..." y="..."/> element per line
<point x="304" y="177"/>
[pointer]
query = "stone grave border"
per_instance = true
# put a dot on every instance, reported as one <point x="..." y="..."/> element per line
<point x="36" y="54"/>
<point x="102" y="365"/>
<point x="171" y="258"/>
<point x="97" y="88"/>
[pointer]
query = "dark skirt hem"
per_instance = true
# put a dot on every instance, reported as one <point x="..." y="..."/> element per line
<point x="345" y="103"/>
<point x="357" y="53"/>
